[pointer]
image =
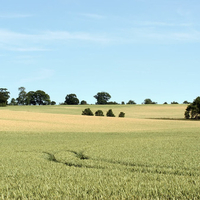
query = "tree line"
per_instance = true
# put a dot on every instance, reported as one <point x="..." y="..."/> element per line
<point x="40" y="97"/>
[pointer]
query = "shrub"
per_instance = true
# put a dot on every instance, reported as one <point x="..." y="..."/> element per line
<point x="131" y="102"/>
<point x="99" y="113"/>
<point x="121" y="114"/>
<point x="110" y="113"/>
<point x="174" y="102"/>
<point x="87" y="111"/>
<point x="83" y="102"/>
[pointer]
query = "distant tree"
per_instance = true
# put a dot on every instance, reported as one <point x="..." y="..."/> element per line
<point x="112" y="103"/>
<point x="102" y="97"/>
<point x="87" y="111"/>
<point x="122" y="103"/>
<point x="53" y="103"/>
<point x="21" y="100"/>
<point x="149" y="101"/>
<point x="37" y="98"/>
<point x="193" y="110"/>
<point x="110" y="113"/>
<point x="4" y="96"/>
<point x="83" y="102"/>
<point x="174" y="102"/>
<point x="99" y="113"/>
<point x="42" y="98"/>
<point x="131" y="102"/>
<point x="30" y="98"/>
<point x="165" y="102"/>
<point x="2" y="99"/>
<point x="186" y="102"/>
<point x="121" y="114"/>
<point x="13" y="102"/>
<point x="71" y="99"/>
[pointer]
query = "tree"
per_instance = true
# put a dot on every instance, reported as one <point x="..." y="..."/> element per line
<point x="21" y="100"/>
<point x="4" y="96"/>
<point x="131" y="102"/>
<point x="42" y="98"/>
<point x="87" y="111"/>
<point x="13" y="102"/>
<point x="53" y="103"/>
<point x="2" y="99"/>
<point x="37" y="98"/>
<point x="71" y="99"/>
<point x="102" y="97"/>
<point x="186" y="102"/>
<point x="149" y="101"/>
<point x="121" y="114"/>
<point x="110" y="113"/>
<point x="193" y="110"/>
<point x="83" y="102"/>
<point x="30" y="98"/>
<point x="174" y="102"/>
<point x="99" y="113"/>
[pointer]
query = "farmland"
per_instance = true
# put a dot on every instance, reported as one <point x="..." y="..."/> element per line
<point x="53" y="152"/>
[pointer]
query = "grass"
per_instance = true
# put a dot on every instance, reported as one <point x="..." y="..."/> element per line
<point x="52" y="152"/>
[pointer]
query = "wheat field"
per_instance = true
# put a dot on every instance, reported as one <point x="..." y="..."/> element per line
<point x="53" y="152"/>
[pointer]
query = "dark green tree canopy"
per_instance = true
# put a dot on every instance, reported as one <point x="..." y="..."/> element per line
<point x="37" y="98"/>
<point x="131" y="102"/>
<point x="13" y="102"/>
<point x="21" y="100"/>
<point x="4" y="96"/>
<point x="99" y="113"/>
<point x="71" y="99"/>
<point x="87" y="111"/>
<point x="193" y="110"/>
<point x="110" y="113"/>
<point x="149" y="101"/>
<point x="83" y="102"/>
<point x="102" y="97"/>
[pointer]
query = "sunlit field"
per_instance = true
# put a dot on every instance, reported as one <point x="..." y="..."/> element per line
<point x="53" y="152"/>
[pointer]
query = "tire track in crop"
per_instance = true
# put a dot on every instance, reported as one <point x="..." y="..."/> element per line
<point x="131" y="167"/>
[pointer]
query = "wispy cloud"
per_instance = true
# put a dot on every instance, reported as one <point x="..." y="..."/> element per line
<point x="161" y="24"/>
<point x="39" y="75"/>
<point x="16" y="41"/>
<point x="93" y="16"/>
<point x="14" y="15"/>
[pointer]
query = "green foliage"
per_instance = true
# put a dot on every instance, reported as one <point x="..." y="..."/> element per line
<point x="110" y="113"/>
<point x="174" y="102"/>
<point x="186" y="102"/>
<point x="87" y="111"/>
<point x="149" y="101"/>
<point x="165" y="102"/>
<point x="37" y="98"/>
<point x="122" y="103"/>
<point x="131" y="102"/>
<point x="112" y="103"/>
<point x="71" y="99"/>
<point x="99" y="113"/>
<point x="102" y="97"/>
<point x="4" y="96"/>
<point x="13" y="102"/>
<point x="193" y="110"/>
<point x="21" y="100"/>
<point x="83" y="102"/>
<point x="121" y="114"/>
<point x="53" y="103"/>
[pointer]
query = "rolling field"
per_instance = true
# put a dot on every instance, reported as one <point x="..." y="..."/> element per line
<point x="53" y="152"/>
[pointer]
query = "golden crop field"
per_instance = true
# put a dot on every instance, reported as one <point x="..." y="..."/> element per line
<point x="53" y="152"/>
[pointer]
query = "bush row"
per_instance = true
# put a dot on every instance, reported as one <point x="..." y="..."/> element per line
<point x="109" y="113"/>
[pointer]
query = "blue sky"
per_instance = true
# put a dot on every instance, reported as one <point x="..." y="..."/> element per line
<point x="132" y="49"/>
